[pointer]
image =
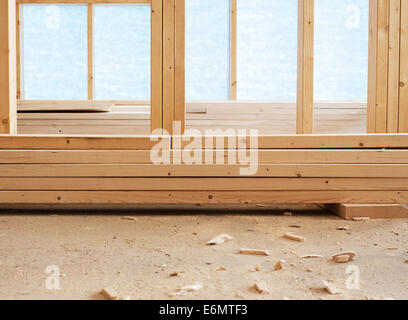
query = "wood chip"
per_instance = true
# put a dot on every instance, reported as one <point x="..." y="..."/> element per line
<point x="219" y="239"/>
<point x="278" y="266"/>
<point x="295" y="226"/>
<point x="392" y="249"/>
<point x="260" y="287"/>
<point x="254" y="252"/>
<point x="345" y="228"/>
<point x="330" y="288"/>
<point x="311" y="256"/>
<point x="344" y="257"/>
<point x="110" y="293"/>
<point x="221" y="269"/>
<point x="256" y="268"/>
<point x="293" y="237"/>
<point x="288" y="213"/>
<point x="129" y="218"/>
<point x="175" y="274"/>
<point x="185" y="290"/>
<point x="361" y="218"/>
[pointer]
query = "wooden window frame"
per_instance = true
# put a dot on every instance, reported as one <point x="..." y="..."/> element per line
<point x="156" y="54"/>
<point x="169" y="45"/>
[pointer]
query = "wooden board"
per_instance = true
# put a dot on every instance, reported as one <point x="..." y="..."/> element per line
<point x="201" y="197"/>
<point x="88" y="106"/>
<point x="372" y="211"/>
<point x="8" y="78"/>
<point x="305" y="78"/>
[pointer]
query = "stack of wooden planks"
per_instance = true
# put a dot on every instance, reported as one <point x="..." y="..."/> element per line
<point x="291" y="169"/>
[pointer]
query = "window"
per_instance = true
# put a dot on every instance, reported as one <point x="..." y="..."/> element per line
<point x="341" y="49"/>
<point x="122" y="52"/>
<point x="266" y="50"/>
<point x="54" y="52"/>
<point x="207" y="49"/>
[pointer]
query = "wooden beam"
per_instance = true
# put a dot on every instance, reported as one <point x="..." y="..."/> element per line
<point x="44" y="142"/>
<point x="202" y="197"/>
<point x="278" y="156"/>
<point x="403" y="102"/>
<point x="82" y="1"/>
<point x="150" y="170"/>
<point x="304" y="117"/>
<point x="203" y="184"/>
<point x="19" y="52"/>
<point x="378" y="211"/>
<point x="394" y="66"/>
<point x="382" y="66"/>
<point x="168" y="64"/>
<point x="233" y="50"/>
<point x="156" y="95"/>
<point x="8" y="86"/>
<point x="91" y="82"/>
<point x="179" y="72"/>
<point x="372" y="66"/>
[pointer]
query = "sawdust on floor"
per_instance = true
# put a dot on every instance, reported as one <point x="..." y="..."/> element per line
<point x="160" y="252"/>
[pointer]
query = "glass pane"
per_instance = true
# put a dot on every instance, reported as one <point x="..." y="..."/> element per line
<point x="55" y="58"/>
<point x="207" y="49"/>
<point x="122" y="52"/>
<point x="341" y="49"/>
<point x="267" y="50"/>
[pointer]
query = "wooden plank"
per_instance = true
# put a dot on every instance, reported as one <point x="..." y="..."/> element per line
<point x="91" y="82"/>
<point x="393" y="66"/>
<point x="168" y="65"/>
<point x="403" y="103"/>
<point x="372" y="66"/>
<point x="8" y="86"/>
<point x="95" y="142"/>
<point x="311" y="156"/>
<point x="315" y="141"/>
<point x="149" y="170"/>
<point x="43" y="142"/>
<point x="305" y="78"/>
<point x="19" y="50"/>
<point x="157" y="66"/>
<point x="203" y="184"/>
<point x="82" y="1"/>
<point x="134" y="130"/>
<point x="377" y="211"/>
<point x="179" y="72"/>
<point x="233" y="50"/>
<point x="382" y="67"/>
<point x="202" y="197"/>
<point x="89" y="106"/>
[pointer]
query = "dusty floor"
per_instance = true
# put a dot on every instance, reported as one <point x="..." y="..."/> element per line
<point x="94" y="251"/>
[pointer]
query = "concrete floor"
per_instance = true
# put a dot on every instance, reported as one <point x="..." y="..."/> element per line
<point x="94" y="250"/>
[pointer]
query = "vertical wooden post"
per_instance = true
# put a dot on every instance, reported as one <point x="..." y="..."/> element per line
<point x="372" y="66"/>
<point x="393" y="66"/>
<point x="168" y="64"/>
<point x="156" y="96"/>
<point x="403" y="98"/>
<point x="233" y="50"/>
<point x="18" y="52"/>
<point x="305" y="78"/>
<point x="8" y="87"/>
<point x="385" y="65"/>
<point x="382" y="67"/>
<point x="91" y="92"/>
<point x="179" y="72"/>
